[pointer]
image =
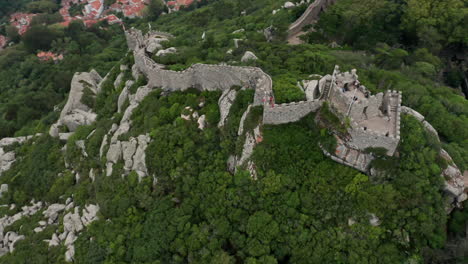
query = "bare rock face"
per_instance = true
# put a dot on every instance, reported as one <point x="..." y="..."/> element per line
<point x="244" y="116"/>
<point x="6" y="160"/>
<point x="51" y="213"/>
<point x="309" y="88"/>
<point x="73" y="224"/>
<point x="75" y="113"/>
<point x="124" y="95"/>
<point x="154" y="43"/>
<point x="289" y="5"/>
<point x="8" y="240"/>
<point x="248" y="56"/>
<point x="201" y="122"/>
<point x="249" y="144"/>
<point x="162" y="53"/>
<point x="139" y="159"/>
<point x="454" y="183"/>
<point x="225" y="102"/>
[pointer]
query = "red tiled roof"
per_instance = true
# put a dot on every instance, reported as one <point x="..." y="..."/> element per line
<point x="96" y="5"/>
<point x="47" y="55"/>
<point x="3" y="41"/>
<point x="21" y="21"/>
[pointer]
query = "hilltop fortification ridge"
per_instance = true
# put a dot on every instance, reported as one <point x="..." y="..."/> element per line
<point x="310" y="16"/>
<point x="372" y="121"/>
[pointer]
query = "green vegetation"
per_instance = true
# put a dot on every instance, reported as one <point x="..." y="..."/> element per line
<point x="30" y="88"/>
<point x="303" y="207"/>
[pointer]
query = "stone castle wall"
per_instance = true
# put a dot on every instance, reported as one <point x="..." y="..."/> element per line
<point x="205" y="77"/>
<point x="291" y="112"/>
<point x="362" y="139"/>
<point x="338" y="101"/>
<point x="311" y="15"/>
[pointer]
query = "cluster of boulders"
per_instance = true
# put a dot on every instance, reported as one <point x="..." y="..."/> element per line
<point x="76" y="113"/>
<point x="164" y="52"/>
<point x="73" y="223"/>
<point x="7" y="158"/>
<point x="289" y="5"/>
<point x="153" y="43"/>
<point x="189" y="114"/>
<point x="310" y="86"/>
<point x="8" y="240"/>
<point x="133" y="150"/>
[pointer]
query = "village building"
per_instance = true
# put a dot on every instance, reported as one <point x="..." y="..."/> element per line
<point x="48" y="55"/>
<point x="21" y="21"/>
<point x="3" y="41"/>
<point x="129" y="8"/>
<point x="177" y="4"/>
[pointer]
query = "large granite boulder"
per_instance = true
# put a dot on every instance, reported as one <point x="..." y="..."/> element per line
<point x="248" y="56"/>
<point x="75" y="112"/>
<point x="165" y="52"/>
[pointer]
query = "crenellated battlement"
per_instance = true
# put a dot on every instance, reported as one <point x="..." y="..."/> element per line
<point x="374" y="119"/>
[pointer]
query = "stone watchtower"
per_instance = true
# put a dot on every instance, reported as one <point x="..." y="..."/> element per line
<point x="373" y="120"/>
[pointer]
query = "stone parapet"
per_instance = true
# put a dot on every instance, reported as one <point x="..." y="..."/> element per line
<point x="290" y="112"/>
<point x="208" y="77"/>
<point x="310" y="15"/>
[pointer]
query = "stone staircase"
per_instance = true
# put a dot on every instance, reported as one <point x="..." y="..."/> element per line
<point x="353" y="157"/>
<point x="326" y="90"/>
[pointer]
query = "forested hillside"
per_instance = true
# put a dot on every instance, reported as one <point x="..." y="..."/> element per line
<point x="176" y="198"/>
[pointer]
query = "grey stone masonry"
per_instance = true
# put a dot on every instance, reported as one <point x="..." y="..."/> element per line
<point x="291" y="112"/>
<point x="200" y="76"/>
<point x="310" y="16"/>
<point x="374" y="119"/>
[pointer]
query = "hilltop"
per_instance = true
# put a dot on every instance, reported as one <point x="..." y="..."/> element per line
<point x="204" y="136"/>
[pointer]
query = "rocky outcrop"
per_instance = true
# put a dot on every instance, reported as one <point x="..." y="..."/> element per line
<point x="131" y="151"/>
<point x="73" y="224"/>
<point x="124" y="95"/>
<point x="9" y="239"/>
<point x="165" y="52"/>
<point x="154" y="44"/>
<point x="288" y="5"/>
<point x="242" y="121"/>
<point x="7" y="158"/>
<point x="310" y="89"/>
<point x="251" y="139"/>
<point x="248" y="56"/>
<point x="76" y="113"/>
<point x="225" y="102"/>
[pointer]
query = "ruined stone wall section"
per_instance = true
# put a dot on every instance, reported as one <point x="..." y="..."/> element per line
<point x="341" y="161"/>
<point x="362" y="139"/>
<point x="205" y="77"/>
<point x="338" y="101"/>
<point x="290" y="112"/>
<point x="311" y="15"/>
<point x="398" y="113"/>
